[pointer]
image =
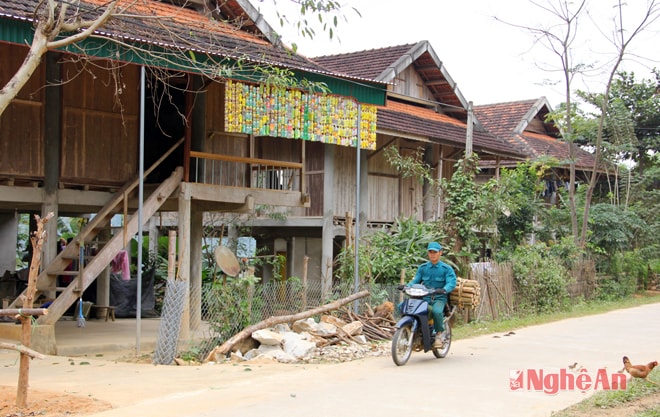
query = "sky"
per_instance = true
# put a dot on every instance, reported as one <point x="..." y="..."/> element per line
<point x="490" y="61"/>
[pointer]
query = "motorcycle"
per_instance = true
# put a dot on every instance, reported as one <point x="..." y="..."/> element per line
<point x="415" y="328"/>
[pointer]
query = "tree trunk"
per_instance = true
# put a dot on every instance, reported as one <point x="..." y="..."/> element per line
<point x="22" y="76"/>
<point x="37" y="240"/>
<point x="273" y="320"/>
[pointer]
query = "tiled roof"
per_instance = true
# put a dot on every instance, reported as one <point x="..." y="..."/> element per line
<point x="544" y="145"/>
<point x="419" y="121"/>
<point x="385" y="64"/>
<point x="512" y="122"/>
<point x="502" y="119"/>
<point x="174" y="27"/>
<point x="370" y="64"/>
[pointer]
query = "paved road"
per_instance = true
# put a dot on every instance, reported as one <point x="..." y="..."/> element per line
<point x="472" y="381"/>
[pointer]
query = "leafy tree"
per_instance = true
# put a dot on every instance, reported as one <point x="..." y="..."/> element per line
<point x="540" y="279"/>
<point x="512" y="202"/>
<point x="613" y="229"/>
<point x="560" y="36"/>
<point x="642" y="102"/>
<point x="303" y="15"/>
<point x="385" y="253"/>
<point x="463" y="204"/>
<point x="645" y="201"/>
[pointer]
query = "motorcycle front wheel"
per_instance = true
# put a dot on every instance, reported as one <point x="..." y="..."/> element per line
<point x="402" y="344"/>
<point x="446" y="339"/>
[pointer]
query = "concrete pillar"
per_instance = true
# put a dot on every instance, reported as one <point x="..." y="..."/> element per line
<point x="196" y="236"/>
<point x="184" y="257"/>
<point x="154" y="234"/>
<point x="327" y="233"/>
<point x="8" y="236"/>
<point x="364" y="192"/>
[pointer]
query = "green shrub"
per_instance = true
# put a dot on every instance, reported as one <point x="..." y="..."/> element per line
<point x="541" y="280"/>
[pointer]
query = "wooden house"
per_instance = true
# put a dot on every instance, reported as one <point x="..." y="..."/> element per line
<point x="165" y="109"/>
<point x="74" y="141"/>
<point x="524" y="125"/>
<point x="424" y="110"/>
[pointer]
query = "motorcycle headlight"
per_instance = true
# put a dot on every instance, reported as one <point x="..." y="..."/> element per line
<point x="416" y="292"/>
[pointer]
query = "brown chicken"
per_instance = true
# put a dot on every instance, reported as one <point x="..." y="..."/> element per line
<point x="639" y="371"/>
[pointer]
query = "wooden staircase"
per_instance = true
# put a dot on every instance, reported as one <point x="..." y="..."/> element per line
<point x="104" y="252"/>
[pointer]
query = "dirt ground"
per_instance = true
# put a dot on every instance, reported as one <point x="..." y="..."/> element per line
<point x="48" y="404"/>
<point x="57" y="404"/>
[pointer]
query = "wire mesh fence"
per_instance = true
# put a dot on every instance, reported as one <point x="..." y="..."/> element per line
<point x="230" y="306"/>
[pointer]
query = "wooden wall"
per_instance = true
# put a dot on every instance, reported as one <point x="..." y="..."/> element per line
<point x="21" y="125"/>
<point x="100" y="123"/>
<point x="383" y="186"/>
<point x="411" y="84"/>
<point x="536" y="125"/>
<point x="314" y="164"/>
<point x="411" y="192"/>
<point x="344" y="185"/>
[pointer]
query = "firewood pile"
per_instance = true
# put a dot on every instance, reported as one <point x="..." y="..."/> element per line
<point x="467" y="293"/>
<point x="377" y="323"/>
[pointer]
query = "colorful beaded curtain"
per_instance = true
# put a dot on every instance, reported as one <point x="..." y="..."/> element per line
<point x="272" y="111"/>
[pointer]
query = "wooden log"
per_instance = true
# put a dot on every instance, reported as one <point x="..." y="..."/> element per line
<point x="225" y="348"/>
<point x="24" y="312"/>
<point x="22" y="349"/>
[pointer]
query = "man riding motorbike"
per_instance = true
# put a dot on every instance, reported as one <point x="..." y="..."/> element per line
<point x="437" y="275"/>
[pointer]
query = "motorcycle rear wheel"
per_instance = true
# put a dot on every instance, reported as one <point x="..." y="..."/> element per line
<point x="442" y="352"/>
<point x="402" y="344"/>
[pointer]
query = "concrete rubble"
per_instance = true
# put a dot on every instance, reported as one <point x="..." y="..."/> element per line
<point x="308" y="341"/>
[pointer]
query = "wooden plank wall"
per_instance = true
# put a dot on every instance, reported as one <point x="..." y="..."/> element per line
<point x="314" y="164"/>
<point x="219" y="142"/>
<point x="100" y="130"/>
<point x="383" y="187"/>
<point x="21" y="125"/>
<point x="411" y="84"/>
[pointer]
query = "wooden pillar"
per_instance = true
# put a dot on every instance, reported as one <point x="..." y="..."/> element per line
<point x="469" y="130"/>
<point x="196" y="236"/>
<point x="184" y="257"/>
<point x="103" y="280"/>
<point x="52" y="144"/>
<point x="427" y="214"/>
<point x="441" y="167"/>
<point x="327" y="233"/>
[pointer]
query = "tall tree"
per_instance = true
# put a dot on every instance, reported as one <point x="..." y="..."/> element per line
<point x="641" y="99"/>
<point x="560" y="35"/>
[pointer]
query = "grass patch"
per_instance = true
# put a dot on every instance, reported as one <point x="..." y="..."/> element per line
<point x="601" y="400"/>
<point x="478" y="328"/>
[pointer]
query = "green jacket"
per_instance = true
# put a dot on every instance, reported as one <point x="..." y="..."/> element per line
<point x="436" y="276"/>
